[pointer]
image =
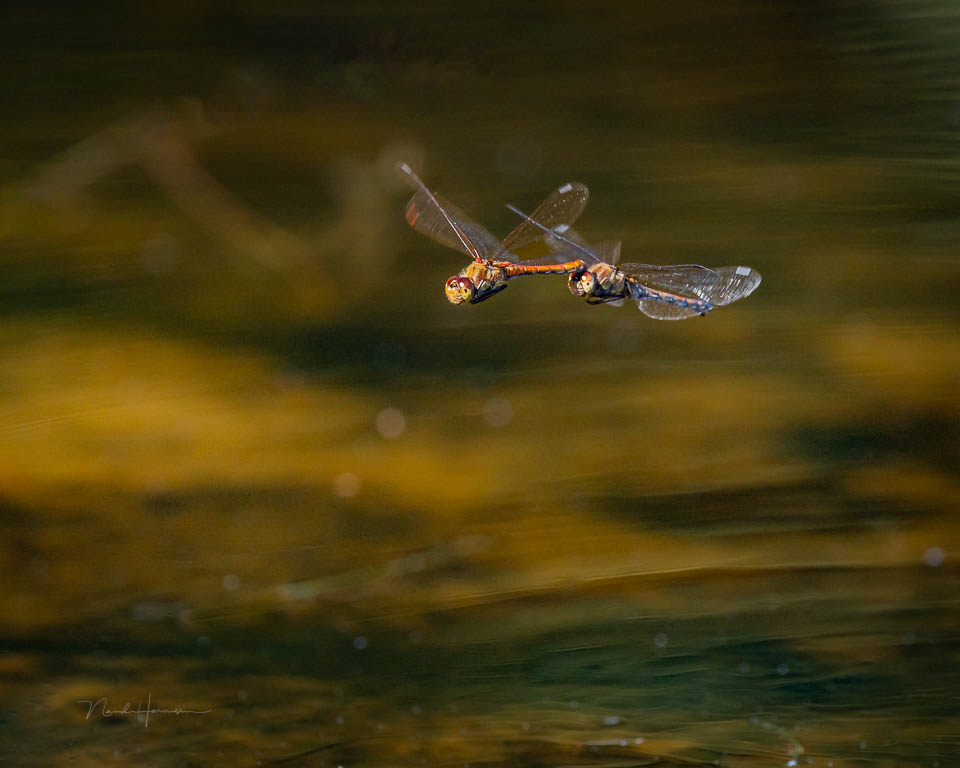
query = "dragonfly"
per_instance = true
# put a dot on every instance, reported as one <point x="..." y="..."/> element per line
<point x="494" y="263"/>
<point x="672" y="292"/>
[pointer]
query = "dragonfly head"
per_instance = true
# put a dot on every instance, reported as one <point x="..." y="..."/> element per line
<point x="582" y="283"/>
<point x="459" y="289"/>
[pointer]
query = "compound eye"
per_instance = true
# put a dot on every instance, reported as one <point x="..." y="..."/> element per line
<point x="577" y="283"/>
<point x="452" y="289"/>
<point x="466" y="288"/>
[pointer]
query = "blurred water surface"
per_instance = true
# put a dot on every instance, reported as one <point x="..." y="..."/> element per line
<point x="253" y="465"/>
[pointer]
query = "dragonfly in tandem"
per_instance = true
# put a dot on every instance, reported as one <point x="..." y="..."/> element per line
<point x="672" y="292"/>
<point x="494" y="262"/>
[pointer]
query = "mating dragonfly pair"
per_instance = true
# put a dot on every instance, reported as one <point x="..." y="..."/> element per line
<point x="666" y="293"/>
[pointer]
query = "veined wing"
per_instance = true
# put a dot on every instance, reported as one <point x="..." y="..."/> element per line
<point x="553" y="249"/>
<point x="442" y="221"/>
<point x="718" y="286"/>
<point x="554" y="215"/>
<point x="607" y="251"/>
<point x="659" y="310"/>
<point x="564" y="242"/>
<point x="572" y="245"/>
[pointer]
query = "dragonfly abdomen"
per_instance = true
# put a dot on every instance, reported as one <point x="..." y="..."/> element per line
<point x="642" y="292"/>
<point x="512" y="270"/>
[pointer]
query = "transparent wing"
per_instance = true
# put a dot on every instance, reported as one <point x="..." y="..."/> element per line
<point x="442" y="221"/>
<point x="607" y="251"/>
<point x="563" y="243"/>
<point x="554" y="249"/>
<point x="572" y="246"/>
<point x="555" y="214"/>
<point x="718" y="286"/>
<point x="658" y="310"/>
